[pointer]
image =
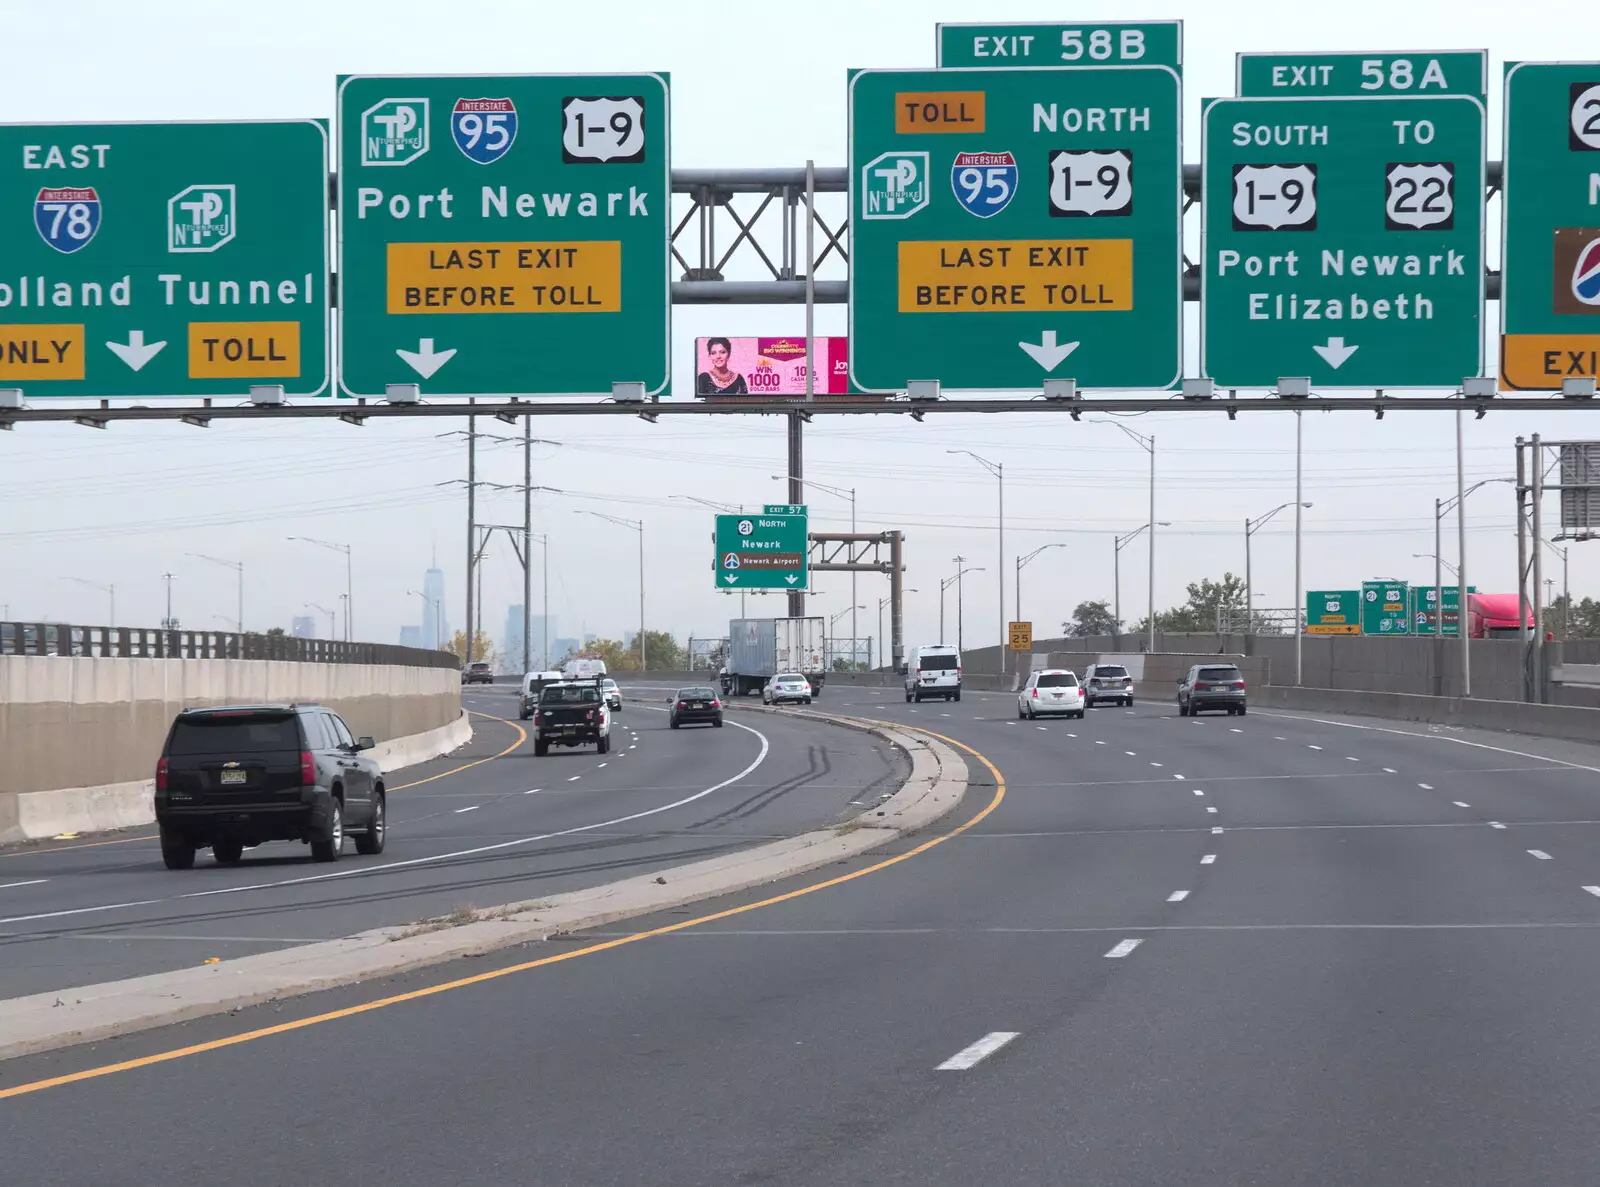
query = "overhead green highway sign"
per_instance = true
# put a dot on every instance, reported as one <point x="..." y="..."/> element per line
<point x="1012" y="226"/>
<point x="504" y="235"/>
<point x="1333" y="612"/>
<point x="1060" y="43"/>
<point x="1385" y="608"/>
<point x="1343" y="240"/>
<point x="1550" y="225"/>
<point x="1358" y="72"/>
<point x="164" y="259"/>
<point x="765" y="551"/>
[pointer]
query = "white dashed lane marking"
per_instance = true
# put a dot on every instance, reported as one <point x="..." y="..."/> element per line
<point x="1496" y="824"/>
<point x="1315" y="748"/>
<point x="1594" y="890"/>
<point x="1540" y="854"/>
<point x="1209" y="859"/>
<point x="970" y="1056"/>
<point x="1122" y="949"/>
<point x="473" y="808"/>
<point x="1209" y="808"/>
<point x="1177" y="896"/>
<point x="1461" y="804"/>
<point x="1426" y="786"/>
<point x="1388" y="770"/>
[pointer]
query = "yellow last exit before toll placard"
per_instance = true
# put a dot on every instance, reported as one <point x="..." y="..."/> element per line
<point x="1021" y="275"/>
<point x="565" y="277"/>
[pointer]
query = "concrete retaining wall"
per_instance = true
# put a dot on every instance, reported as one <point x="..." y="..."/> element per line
<point x="1547" y="721"/>
<point x="90" y="722"/>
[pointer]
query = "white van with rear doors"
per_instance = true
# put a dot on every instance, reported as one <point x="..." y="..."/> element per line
<point x="933" y="671"/>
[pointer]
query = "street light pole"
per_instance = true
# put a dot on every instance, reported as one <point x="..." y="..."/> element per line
<point x="998" y="469"/>
<point x="349" y="588"/>
<point x="1251" y="527"/>
<point x="236" y="566"/>
<point x="1023" y="561"/>
<point x="638" y="526"/>
<point x="111" y="591"/>
<point x="1299" y="587"/>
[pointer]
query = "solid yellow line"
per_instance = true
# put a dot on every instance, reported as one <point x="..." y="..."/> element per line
<point x="463" y="982"/>
<point x="522" y="736"/>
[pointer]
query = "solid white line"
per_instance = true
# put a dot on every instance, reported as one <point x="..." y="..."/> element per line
<point x="1594" y="890"/>
<point x="1177" y="896"/>
<point x="1122" y="949"/>
<point x="1379" y="729"/>
<point x="29" y="882"/>
<point x="473" y="808"/>
<point x="1460" y="804"/>
<point x="1540" y="854"/>
<point x="978" y="1052"/>
<point x="1209" y="859"/>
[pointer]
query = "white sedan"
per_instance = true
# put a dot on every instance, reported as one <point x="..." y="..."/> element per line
<point x="787" y="686"/>
<point x="1051" y="690"/>
<point x="613" y="696"/>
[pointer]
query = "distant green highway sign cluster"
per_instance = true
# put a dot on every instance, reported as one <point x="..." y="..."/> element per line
<point x="1016" y="223"/>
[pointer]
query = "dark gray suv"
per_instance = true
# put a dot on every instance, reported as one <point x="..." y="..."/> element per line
<point x="236" y="776"/>
<point x="1211" y="686"/>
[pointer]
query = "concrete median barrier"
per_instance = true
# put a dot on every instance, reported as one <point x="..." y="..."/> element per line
<point x="1577" y="723"/>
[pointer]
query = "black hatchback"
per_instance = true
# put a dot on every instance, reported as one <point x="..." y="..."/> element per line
<point x="237" y="776"/>
<point x="695" y="704"/>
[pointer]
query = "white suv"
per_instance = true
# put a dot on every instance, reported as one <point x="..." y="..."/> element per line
<point x="1050" y="690"/>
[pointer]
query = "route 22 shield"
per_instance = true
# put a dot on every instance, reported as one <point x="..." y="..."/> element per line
<point x="984" y="182"/>
<point x="484" y="128"/>
<point x="67" y="219"/>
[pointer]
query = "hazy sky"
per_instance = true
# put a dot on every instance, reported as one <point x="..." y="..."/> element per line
<point x="753" y="84"/>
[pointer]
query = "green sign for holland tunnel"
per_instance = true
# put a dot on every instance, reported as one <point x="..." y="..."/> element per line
<point x="1343" y="240"/>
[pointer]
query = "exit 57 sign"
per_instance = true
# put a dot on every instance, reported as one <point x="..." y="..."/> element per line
<point x="1343" y="240"/>
<point x="1012" y="226"/>
<point x="149" y="260"/>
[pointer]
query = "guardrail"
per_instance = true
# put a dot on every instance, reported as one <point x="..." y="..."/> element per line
<point x="121" y="642"/>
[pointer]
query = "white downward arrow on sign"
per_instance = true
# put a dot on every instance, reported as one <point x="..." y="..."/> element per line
<point x="425" y="360"/>
<point x="730" y="578"/>
<point x="136" y="352"/>
<point x="1335" y="352"/>
<point x="1046" y="353"/>
<point x="791" y="580"/>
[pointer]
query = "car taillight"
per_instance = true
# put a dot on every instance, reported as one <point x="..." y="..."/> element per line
<point x="716" y="704"/>
<point x="1238" y="683"/>
<point x="589" y="716"/>
<point x="161" y="774"/>
<point x="958" y="669"/>
<point x="308" y="768"/>
<point x="683" y="704"/>
<point x="1034" y="694"/>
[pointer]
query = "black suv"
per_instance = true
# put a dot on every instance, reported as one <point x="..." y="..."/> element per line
<point x="240" y="775"/>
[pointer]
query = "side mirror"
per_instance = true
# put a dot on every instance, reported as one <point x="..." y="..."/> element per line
<point x="365" y="743"/>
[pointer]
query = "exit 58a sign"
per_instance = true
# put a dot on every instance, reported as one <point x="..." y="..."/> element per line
<point x="158" y="260"/>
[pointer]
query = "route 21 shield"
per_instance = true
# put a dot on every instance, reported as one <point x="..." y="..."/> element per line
<point x="984" y="182"/>
<point x="67" y="218"/>
<point x="484" y="128"/>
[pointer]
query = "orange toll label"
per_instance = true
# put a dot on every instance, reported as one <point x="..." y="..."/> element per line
<point x="244" y="350"/>
<point x="41" y="352"/>
<point x="1539" y="362"/>
<point x="938" y="111"/>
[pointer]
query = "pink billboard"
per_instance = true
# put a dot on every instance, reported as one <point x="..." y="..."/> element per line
<point x="727" y="367"/>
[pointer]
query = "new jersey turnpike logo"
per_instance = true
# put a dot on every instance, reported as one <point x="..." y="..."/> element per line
<point x="394" y="132"/>
<point x="202" y="218"/>
<point x="894" y="185"/>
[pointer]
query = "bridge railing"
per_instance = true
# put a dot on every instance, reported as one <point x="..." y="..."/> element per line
<point x="121" y="642"/>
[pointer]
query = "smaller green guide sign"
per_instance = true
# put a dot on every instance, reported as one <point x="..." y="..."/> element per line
<point x="1359" y="72"/>
<point x="766" y="551"/>
<point x="1385" y="608"/>
<point x="1060" y="43"/>
<point x="1333" y="612"/>
<point x="1424" y="609"/>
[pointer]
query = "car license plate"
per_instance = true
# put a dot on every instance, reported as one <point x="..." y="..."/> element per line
<point x="235" y="777"/>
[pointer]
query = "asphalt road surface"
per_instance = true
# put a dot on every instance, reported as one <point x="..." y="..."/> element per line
<point x="1274" y="950"/>
<point x="488" y="824"/>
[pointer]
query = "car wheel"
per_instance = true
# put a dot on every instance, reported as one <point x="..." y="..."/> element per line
<point x="717" y="723"/>
<point x="371" y="841"/>
<point x="540" y="748"/>
<point x="1021" y="716"/>
<point x="330" y="845"/>
<point x="808" y="700"/>
<point x="1241" y="710"/>
<point x="1183" y="710"/>
<point x="1128" y="702"/>
<point x="177" y="852"/>
<point x="957" y="697"/>
<point x="227" y="852"/>
<point x="918" y="698"/>
<point x="602" y="744"/>
<point x="908" y="698"/>
<point x="672" y="723"/>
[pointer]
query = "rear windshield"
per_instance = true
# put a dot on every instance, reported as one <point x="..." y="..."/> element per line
<point x="1220" y="674"/>
<point x="937" y="663"/>
<point x="1112" y="670"/>
<point x="1058" y="680"/>
<point x="480" y="667"/>
<point x="695" y="694"/>
<point x="216" y="734"/>
<point x="570" y="694"/>
<point x="791" y="678"/>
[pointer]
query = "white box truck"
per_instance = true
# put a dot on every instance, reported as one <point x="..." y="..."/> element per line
<point x="760" y="648"/>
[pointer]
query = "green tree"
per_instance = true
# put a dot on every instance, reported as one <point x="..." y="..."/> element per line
<point x="1199" y="615"/>
<point x="1583" y="621"/>
<point x="483" y="649"/>
<point x="1092" y="618"/>
<point x="276" y="632"/>
<point x="662" y="652"/>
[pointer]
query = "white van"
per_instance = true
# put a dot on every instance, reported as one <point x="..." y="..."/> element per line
<point x="532" y="684"/>
<point x="933" y="671"/>
<point x="585" y="667"/>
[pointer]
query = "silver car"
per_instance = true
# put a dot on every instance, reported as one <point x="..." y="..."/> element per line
<point x="786" y="686"/>
<point x="613" y="695"/>
<point x="1107" y="682"/>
